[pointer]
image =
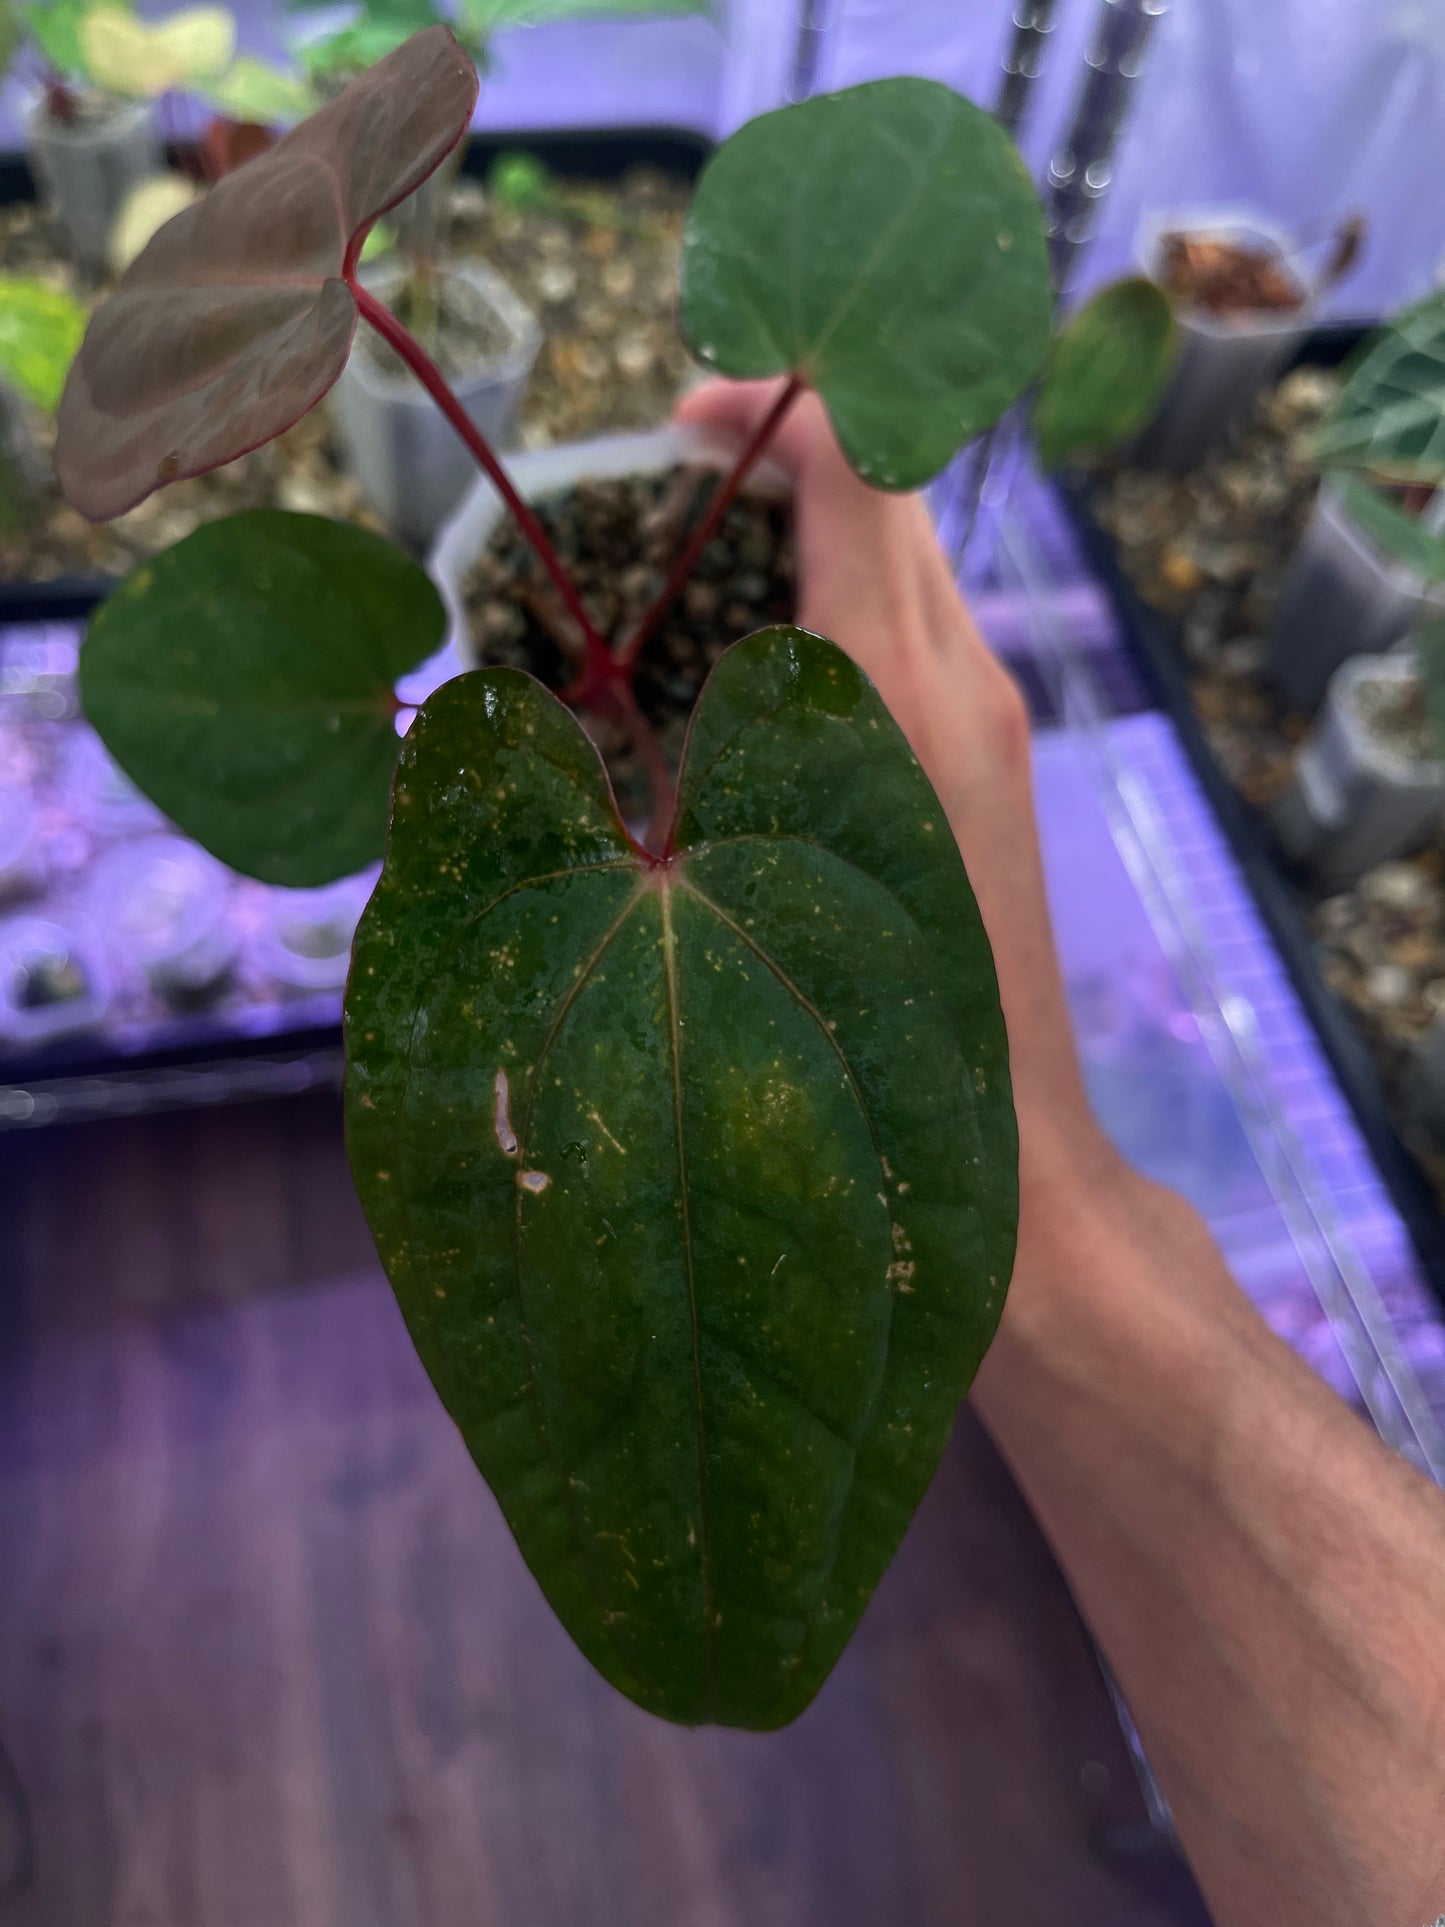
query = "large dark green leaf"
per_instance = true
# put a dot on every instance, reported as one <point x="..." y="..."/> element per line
<point x="244" y="680"/>
<point x="1107" y="370"/>
<point x="887" y="245"/>
<point x="695" y="1180"/>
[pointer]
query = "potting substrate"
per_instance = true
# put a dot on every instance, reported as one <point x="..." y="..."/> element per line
<point x="1210" y="551"/>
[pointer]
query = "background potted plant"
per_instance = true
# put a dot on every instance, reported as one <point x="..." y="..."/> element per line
<point x="691" y="1156"/>
<point x="1372" y="558"/>
<point x="91" y="127"/>
<point x="407" y="463"/>
<point x="40" y="330"/>
<point x="1244" y="299"/>
<point x="1369" y="778"/>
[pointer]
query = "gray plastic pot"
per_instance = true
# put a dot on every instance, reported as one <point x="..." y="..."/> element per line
<point x="1353" y="801"/>
<point x="86" y="172"/>
<point x="1342" y="596"/>
<point x="402" y="454"/>
<point x="1223" y="365"/>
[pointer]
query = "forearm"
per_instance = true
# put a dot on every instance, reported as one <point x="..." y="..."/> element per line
<point x="1266" y="1580"/>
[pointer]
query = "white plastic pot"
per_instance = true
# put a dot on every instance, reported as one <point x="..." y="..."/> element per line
<point x="29" y="946"/>
<point x="86" y="172"/>
<point x="549" y="471"/>
<point x="1342" y="597"/>
<point x="1353" y="802"/>
<point x="1223" y="364"/>
<point x="163" y="904"/>
<point x="307" y="942"/>
<point x="401" y="451"/>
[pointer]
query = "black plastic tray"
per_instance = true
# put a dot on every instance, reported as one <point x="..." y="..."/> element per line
<point x="1154" y="642"/>
<point x="589" y="154"/>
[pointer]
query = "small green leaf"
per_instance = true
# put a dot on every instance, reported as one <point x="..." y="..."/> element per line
<point x="492" y="16"/>
<point x="54" y="26"/>
<point x="244" y="680"/>
<point x="696" y="1181"/>
<point x="1107" y="370"/>
<point x="254" y="90"/>
<point x="887" y="245"/>
<point x="40" y="331"/>
<point x="1391" y="529"/>
<point x="11" y="32"/>
<point x="1389" y="420"/>
<point x="521" y="180"/>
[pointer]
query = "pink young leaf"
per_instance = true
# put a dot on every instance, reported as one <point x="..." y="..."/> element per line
<point x="236" y="319"/>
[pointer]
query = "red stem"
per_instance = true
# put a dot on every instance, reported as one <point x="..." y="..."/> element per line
<point x="708" y="527"/>
<point x="600" y="665"/>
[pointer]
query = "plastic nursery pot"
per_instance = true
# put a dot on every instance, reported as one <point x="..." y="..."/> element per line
<point x="551" y="471"/>
<point x="86" y="171"/>
<point x="52" y="983"/>
<point x="1342" y="596"/>
<point x="1223" y="364"/>
<point x="403" y="455"/>
<point x="307" y="943"/>
<point x="163" y="904"/>
<point x="1358" y="799"/>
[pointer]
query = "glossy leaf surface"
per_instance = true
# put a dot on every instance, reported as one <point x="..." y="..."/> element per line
<point x="1390" y="418"/>
<point x="1107" y="371"/>
<point x="244" y="681"/>
<point x="696" y="1182"/>
<point x="887" y="245"/>
<point x="235" y="320"/>
<point x="40" y="330"/>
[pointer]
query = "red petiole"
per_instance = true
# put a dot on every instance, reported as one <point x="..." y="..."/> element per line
<point x="709" y="524"/>
<point x="599" y="656"/>
<point x="605" y="684"/>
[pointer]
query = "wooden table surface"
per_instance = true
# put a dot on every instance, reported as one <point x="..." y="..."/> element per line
<point x="269" y="1658"/>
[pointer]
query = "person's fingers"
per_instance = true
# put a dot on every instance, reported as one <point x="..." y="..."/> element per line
<point x="734" y="410"/>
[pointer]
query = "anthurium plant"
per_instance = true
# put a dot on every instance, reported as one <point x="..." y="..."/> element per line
<point x="1385" y="438"/>
<point x="689" y="1150"/>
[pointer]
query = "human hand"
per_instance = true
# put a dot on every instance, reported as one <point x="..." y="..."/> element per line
<point x="873" y="579"/>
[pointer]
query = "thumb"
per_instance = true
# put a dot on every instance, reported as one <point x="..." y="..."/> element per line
<point x="735" y="410"/>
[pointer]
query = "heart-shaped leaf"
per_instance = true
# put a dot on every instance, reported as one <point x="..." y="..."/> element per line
<point x="40" y="330"/>
<point x="244" y="680"/>
<point x="695" y="1180"/>
<point x="1390" y="418"/>
<point x="1107" y="370"/>
<point x="887" y="245"/>
<point x="143" y="60"/>
<point x="235" y="319"/>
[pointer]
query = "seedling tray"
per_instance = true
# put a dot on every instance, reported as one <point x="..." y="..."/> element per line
<point x="1155" y="644"/>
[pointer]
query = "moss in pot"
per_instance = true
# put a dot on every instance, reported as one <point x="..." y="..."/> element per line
<point x="690" y="1155"/>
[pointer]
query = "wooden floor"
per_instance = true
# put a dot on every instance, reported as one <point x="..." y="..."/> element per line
<point x="269" y="1658"/>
